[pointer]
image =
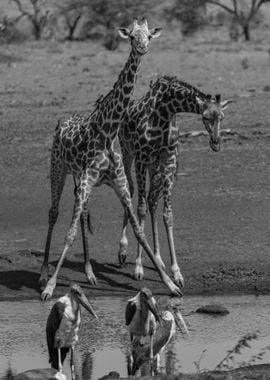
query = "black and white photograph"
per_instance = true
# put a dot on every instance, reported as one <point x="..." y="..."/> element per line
<point x="135" y="189"/>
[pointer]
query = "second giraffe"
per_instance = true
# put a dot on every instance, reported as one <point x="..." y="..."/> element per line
<point x="150" y="137"/>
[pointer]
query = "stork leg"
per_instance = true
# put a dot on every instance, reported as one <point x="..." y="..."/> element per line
<point x="60" y="367"/>
<point x="130" y="356"/>
<point x="151" y="354"/>
<point x="72" y="363"/>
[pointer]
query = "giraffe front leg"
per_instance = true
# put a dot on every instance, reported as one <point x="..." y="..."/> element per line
<point x="87" y="181"/>
<point x="168" y="221"/>
<point x="58" y="176"/>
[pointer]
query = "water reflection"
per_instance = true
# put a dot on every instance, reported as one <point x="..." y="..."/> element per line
<point x="104" y="344"/>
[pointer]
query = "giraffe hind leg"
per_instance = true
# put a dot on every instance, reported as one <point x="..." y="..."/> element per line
<point x="123" y="244"/>
<point x="142" y="210"/>
<point x="168" y="222"/>
<point x="86" y="225"/>
<point x="153" y="199"/>
<point x="120" y="185"/>
<point x="58" y="177"/>
<point x="87" y="265"/>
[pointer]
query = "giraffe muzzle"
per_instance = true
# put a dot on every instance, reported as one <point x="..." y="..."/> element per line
<point x="215" y="144"/>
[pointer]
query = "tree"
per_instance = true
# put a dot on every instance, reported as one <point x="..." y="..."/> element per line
<point x="191" y="14"/>
<point x="113" y="13"/>
<point x="241" y="16"/>
<point x="38" y="17"/>
<point x="72" y="12"/>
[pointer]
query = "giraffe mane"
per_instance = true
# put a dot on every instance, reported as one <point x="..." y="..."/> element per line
<point x="173" y="79"/>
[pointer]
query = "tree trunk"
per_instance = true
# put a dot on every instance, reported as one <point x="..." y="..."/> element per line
<point x="246" y="31"/>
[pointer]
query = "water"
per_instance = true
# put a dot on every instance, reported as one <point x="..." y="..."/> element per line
<point x="104" y="344"/>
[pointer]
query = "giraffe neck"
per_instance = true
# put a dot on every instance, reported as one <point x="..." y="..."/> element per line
<point x="110" y="109"/>
<point x="184" y="102"/>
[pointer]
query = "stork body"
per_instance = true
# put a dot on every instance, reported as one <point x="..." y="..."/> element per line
<point x="171" y="319"/>
<point x="141" y="315"/>
<point x="63" y="326"/>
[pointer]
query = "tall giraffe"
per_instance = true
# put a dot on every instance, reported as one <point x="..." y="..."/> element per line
<point x="83" y="147"/>
<point x="151" y="140"/>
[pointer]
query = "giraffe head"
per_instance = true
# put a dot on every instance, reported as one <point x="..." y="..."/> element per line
<point x="212" y="114"/>
<point x="139" y="35"/>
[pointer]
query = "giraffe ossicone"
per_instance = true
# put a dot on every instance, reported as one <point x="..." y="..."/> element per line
<point x="149" y="136"/>
<point x="83" y="147"/>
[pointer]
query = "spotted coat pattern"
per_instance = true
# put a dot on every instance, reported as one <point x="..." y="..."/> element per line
<point x="152" y="142"/>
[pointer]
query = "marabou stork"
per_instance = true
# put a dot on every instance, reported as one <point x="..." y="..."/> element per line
<point x="171" y="318"/>
<point x="141" y="316"/>
<point x="63" y="325"/>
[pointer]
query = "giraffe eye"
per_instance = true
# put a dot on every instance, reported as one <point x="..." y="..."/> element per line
<point x="149" y="37"/>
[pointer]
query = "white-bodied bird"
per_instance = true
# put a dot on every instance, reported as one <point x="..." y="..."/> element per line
<point x="63" y="324"/>
<point x="141" y="316"/>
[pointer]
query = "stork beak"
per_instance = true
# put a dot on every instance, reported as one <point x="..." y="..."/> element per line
<point x="180" y="323"/>
<point x="154" y="309"/>
<point x="86" y="304"/>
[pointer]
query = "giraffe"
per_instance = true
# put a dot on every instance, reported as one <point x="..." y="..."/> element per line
<point x="83" y="146"/>
<point x="151" y="140"/>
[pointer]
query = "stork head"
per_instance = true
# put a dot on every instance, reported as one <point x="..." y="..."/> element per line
<point x="212" y="110"/>
<point x="140" y="35"/>
<point x="79" y="296"/>
<point x="148" y="301"/>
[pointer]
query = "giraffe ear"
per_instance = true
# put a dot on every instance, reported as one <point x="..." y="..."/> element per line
<point x="225" y="103"/>
<point x="124" y="32"/>
<point x="200" y="102"/>
<point x="155" y="32"/>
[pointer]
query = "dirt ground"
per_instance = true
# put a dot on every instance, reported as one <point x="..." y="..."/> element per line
<point x="221" y="200"/>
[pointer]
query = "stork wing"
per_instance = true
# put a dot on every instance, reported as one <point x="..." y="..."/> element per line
<point x="53" y="323"/>
<point x="141" y="353"/>
<point x="130" y="311"/>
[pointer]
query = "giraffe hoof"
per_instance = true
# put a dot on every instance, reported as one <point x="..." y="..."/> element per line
<point x="138" y="274"/>
<point x="92" y="280"/>
<point x="122" y="257"/>
<point x="179" y="281"/>
<point x="45" y="296"/>
<point x="177" y="292"/>
<point x="177" y="276"/>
